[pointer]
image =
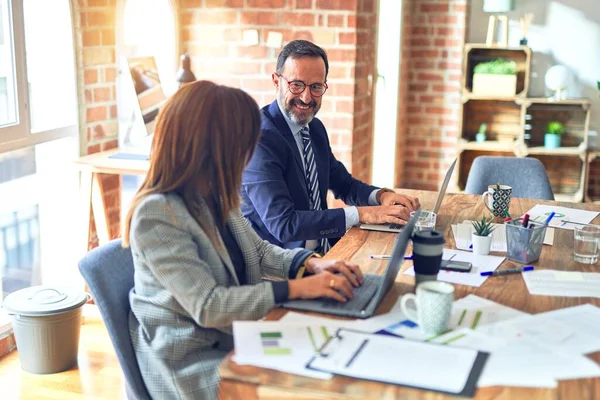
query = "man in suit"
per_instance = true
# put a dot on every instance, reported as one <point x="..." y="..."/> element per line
<point x="285" y="184"/>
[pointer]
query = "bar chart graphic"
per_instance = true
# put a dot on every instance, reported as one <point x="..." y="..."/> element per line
<point x="273" y="344"/>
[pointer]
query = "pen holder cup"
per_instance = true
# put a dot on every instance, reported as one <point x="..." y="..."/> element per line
<point x="524" y="244"/>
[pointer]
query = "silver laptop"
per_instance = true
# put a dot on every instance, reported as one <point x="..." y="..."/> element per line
<point x="367" y="296"/>
<point x="399" y="227"/>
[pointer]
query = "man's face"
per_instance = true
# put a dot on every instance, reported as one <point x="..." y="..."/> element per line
<point x="300" y="108"/>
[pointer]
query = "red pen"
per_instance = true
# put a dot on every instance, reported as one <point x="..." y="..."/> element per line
<point x="525" y="220"/>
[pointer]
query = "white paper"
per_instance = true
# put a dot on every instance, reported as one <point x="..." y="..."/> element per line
<point x="564" y="217"/>
<point x="472" y="278"/>
<point x="563" y="283"/>
<point x="473" y="311"/>
<point x="395" y="360"/>
<point x="573" y="330"/>
<point x="290" y="348"/>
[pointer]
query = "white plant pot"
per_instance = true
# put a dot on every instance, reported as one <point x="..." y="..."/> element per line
<point x="481" y="244"/>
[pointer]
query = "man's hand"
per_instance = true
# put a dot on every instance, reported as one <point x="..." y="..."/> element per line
<point x="351" y="271"/>
<point x="325" y="284"/>
<point x="393" y="198"/>
<point x="383" y="214"/>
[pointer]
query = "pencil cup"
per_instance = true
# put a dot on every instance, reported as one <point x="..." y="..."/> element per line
<point x="433" y="303"/>
<point x="524" y="244"/>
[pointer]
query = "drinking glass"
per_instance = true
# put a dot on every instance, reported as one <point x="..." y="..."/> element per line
<point x="587" y="243"/>
<point x="425" y="222"/>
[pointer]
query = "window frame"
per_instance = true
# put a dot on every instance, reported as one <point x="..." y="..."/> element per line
<point x="19" y="135"/>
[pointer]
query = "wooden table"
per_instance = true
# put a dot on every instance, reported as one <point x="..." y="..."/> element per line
<point x="91" y="192"/>
<point x="248" y="382"/>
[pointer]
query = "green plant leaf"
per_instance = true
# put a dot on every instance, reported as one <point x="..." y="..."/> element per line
<point x="555" y="128"/>
<point x="496" y="67"/>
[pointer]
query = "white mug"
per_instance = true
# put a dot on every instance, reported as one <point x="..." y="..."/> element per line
<point x="497" y="199"/>
<point x="433" y="303"/>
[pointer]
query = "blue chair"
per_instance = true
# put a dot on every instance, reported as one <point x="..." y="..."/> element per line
<point x="527" y="176"/>
<point x="108" y="272"/>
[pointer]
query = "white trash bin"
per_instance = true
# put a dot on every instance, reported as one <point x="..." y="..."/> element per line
<point x="46" y="321"/>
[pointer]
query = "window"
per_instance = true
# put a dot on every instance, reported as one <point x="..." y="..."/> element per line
<point x="38" y="143"/>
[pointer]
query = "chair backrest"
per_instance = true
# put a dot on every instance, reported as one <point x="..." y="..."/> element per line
<point x="108" y="272"/>
<point x="527" y="176"/>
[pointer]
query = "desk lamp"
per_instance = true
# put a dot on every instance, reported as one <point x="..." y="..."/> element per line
<point x="185" y="74"/>
<point x="497" y="6"/>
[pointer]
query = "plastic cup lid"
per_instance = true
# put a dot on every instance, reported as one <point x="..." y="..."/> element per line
<point x="428" y="237"/>
<point x="44" y="300"/>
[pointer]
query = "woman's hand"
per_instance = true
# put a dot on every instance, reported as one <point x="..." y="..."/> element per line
<point x="324" y="284"/>
<point x="351" y="271"/>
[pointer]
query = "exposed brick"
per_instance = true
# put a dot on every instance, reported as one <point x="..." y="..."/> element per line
<point x="297" y="19"/>
<point x="304" y="3"/>
<point x="347" y="38"/>
<point x="258" y="18"/>
<point x="225" y="3"/>
<point x="336" y="20"/>
<point x="350" y="5"/>
<point x="94" y="114"/>
<point x="108" y="37"/>
<point x="91" y="38"/>
<point x="265" y="3"/>
<point x="435" y="7"/>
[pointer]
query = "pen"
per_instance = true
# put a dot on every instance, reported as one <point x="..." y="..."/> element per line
<point x="547" y="221"/>
<point x="386" y="257"/>
<point x="506" y="213"/>
<point x="525" y="220"/>
<point x="508" y="271"/>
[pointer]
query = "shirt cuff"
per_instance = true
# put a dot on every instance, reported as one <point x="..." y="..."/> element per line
<point x="281" y="291"/>
<point x="351" y="217"/>
<point x="297" y="262"/>
<point x="373" y="198"/>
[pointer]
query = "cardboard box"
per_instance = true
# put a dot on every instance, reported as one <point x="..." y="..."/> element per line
<point x="494" y="85"/>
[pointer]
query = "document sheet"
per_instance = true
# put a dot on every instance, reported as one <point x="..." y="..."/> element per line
<point x="398" y="361"/>
<point x="472" y="278"/>
<point x="280" y="346"/>
<point x="563" y="283"/>
<point x="564" y="217"/>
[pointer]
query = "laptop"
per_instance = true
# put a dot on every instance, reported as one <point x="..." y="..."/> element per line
<point x="368" y="296"/>
<point x="399" y="227"/>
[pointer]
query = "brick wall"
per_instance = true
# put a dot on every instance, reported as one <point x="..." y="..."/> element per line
<point x="433" y="37"/>
<point x="96" y="68"/>
<point x="212" y="34"/>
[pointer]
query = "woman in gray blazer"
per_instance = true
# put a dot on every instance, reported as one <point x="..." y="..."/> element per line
<point x="198" y="264"/>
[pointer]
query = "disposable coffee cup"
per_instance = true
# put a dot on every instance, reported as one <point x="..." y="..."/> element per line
<point x="428" y="247"/>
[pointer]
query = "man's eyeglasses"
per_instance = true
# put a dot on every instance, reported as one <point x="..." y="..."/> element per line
<point x="297" y="87"/>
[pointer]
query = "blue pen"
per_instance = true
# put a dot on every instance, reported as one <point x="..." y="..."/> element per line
<point x="386" y="257"/>
<point x="508" y="271"/>
<point x="547" y="221"/>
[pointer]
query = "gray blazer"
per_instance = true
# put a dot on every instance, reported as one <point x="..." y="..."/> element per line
<point x="187" y="295"/>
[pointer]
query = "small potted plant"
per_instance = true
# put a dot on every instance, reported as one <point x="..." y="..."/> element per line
<point x="480" y="135"/>
<point x="554" y="131"/>
<point x="495" y="78"/>
<point x="482" y="237"/>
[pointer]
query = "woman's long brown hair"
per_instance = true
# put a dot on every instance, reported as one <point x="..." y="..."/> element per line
<point x="204" y="136"/>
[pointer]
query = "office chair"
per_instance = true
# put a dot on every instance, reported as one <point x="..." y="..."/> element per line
<point x="527" y="176"/>
<point x="108" y="271"/>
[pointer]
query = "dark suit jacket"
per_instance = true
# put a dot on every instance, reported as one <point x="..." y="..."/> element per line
<point x="274" y="191"/>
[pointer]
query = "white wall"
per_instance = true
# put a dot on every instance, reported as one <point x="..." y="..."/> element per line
<point x="563" y="32"/>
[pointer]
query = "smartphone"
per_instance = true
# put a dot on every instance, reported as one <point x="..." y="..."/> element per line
<point x="458" y="266"/>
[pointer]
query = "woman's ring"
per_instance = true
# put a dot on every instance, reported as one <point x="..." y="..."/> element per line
<point x="332" y="283"/>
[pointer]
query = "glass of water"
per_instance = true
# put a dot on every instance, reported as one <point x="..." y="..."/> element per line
<point x="587" y="244"/>
<point x="426" y="221"/>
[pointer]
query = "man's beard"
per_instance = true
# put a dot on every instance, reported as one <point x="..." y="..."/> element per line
<point x="290" y="111"/>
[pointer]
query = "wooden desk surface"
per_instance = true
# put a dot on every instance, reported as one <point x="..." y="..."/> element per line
<point x="249" y="382"/>
<point x="103" y="164"/>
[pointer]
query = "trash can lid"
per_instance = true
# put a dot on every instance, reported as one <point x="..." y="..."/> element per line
<point x="44" y="300"/>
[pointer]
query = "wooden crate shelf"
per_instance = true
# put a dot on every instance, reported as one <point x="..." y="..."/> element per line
<point x="478" y="53"/>
<point x="516" y="126"/>
<point x="503" y="120"/>
<point x="592" y="187"/>
<point x="574" y="116"/>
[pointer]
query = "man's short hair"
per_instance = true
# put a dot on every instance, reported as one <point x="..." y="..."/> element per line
<point x="299" y="49"/>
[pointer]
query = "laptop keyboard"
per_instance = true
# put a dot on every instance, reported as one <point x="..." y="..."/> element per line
<point x="396" y="226"/>
<point x="362" y="295"/>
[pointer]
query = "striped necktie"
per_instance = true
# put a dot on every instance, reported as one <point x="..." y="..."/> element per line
<point x="312" y="181"/>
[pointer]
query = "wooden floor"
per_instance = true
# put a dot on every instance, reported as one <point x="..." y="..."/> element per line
<point x="98" y="376"/>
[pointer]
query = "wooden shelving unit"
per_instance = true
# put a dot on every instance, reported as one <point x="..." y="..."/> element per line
<point x="516" y="126"/>
<point x="592" y="183"/>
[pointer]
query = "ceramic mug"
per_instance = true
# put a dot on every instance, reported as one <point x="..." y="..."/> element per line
<point x="433" y="303"/>
<point x="497" y="199"/>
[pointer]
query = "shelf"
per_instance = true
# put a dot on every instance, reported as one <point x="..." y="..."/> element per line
<point x="575" y="117"/>
<point x="466" y="96"/>
<point x="561" y="151"/>
<point x="551" y="101"/>
<point x="502" y="117"/>
<point x="488" y="145"/>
